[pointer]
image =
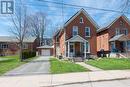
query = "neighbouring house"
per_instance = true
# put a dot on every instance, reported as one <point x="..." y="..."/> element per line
<point x="77" y="38"/>
<point x="115" y="37"/>
<point x="9" y="45"/>
<point x="46" y="48"/>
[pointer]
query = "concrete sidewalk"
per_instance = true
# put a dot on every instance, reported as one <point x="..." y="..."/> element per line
<point x="61" y="79"/>
<point x="92" y="68"/>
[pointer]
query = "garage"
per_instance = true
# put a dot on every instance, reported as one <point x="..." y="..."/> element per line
<point x="45" y="50"/>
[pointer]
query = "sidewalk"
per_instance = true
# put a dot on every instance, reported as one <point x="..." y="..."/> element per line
<point x="92" y="68"/>
<point x="61" y="79"/>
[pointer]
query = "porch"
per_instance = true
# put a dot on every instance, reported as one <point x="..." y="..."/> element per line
<point x="120" y="44"/>
<point x="77" y="47"/>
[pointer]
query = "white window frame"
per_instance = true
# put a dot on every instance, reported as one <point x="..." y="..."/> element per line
<point x="125" y="31"/>
<point x="117" y="32"/>
<point x="88" y="47"/>
<point x="81" y="18"/>
<point x="75" y="29"/>
<point x="88" y="30"/>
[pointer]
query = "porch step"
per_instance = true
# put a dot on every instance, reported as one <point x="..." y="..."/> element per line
<point x="78" y="59"/>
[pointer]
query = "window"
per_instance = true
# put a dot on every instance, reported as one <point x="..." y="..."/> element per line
<point x="87" y="31"/>
<point x="87" y="46"/>
<point x="81" y="20"/>
<point x="25" y="46"/>
<point x="71" y="48"/>
<point x="121" y="23"/>
<point x="3" y="46"/>
<point x="75" y="30"/>
<point x="128" y="45"/>
<point x="125" y="31"/>
<point x="117" y="31"/>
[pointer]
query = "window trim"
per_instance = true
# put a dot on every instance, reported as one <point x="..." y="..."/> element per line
<point x="117" y="31"/>
<point x="81" y="18"/>
<point x="4" y="46"/>
<point x="88" y="47"/>
<point x="89" y="32"/>
<point x="75" y="29"/>
<point x="125" y="33"/>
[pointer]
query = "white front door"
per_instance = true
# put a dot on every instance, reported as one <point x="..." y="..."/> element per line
<point x="45" y="52"/>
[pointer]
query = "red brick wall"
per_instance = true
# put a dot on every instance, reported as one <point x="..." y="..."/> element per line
<point x="81" y="29"/>
<point x="62" y="43"/>
<point x="103" y="41"/>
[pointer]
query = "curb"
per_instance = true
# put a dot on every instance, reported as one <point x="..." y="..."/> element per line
<point x="86" y="82"/>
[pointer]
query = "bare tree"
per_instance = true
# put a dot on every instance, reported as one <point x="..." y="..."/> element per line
<point x="38" y="25"/>
<point x="20" y="28"/>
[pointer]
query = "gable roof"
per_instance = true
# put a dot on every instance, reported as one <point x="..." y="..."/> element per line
<point x="76" y="38"/>
<point x="86" y="14"/>
<point x="111" y="23"/>
<point x="117" y="37"/>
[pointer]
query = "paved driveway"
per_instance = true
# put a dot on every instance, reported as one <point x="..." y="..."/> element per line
<point x="40" y="65"/>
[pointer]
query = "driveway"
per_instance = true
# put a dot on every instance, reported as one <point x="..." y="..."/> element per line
<point x="40" y="65"/>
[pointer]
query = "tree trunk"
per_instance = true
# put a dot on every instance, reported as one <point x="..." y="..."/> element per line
<point x="20" y="52"/>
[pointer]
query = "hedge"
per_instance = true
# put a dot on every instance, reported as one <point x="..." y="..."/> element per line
<point x="28" y="54"/>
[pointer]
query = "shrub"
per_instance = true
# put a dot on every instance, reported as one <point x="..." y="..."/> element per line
<point x="28" y="54"/>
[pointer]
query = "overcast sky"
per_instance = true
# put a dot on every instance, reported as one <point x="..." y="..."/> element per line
<point x="55" y="17"/>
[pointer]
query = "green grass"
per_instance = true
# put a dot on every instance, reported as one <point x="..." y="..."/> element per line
<point x="60" y="66"/>
<point x="111" y="63"/>
<point x="10" y="64"/>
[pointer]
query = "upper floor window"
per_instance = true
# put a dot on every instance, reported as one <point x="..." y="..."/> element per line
<point x="117" y="31"/>
<point x="125" y="31"/>
<point x="121" y="23"/>
<point x="87" y="31"/>
<point x="75" y="30"/>
<point x="81" y="20"/>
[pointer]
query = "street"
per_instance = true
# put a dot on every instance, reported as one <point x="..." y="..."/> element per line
<point x="114" y="83"/>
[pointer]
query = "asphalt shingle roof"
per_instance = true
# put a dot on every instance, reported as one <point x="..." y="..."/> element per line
<point x="14" y="39"/>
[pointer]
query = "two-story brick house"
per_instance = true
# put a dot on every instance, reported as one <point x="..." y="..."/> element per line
<point x="115" y="37"/>
<point x="77" y="37"/>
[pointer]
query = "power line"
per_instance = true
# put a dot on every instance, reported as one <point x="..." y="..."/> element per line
<point x="73" y="6"/>
<point x="59" y="3"/>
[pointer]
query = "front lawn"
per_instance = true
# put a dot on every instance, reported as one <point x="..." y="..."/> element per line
<point x="9" y="64"/>
<point x="110" y="63"/>
<point x="61" y="66"/>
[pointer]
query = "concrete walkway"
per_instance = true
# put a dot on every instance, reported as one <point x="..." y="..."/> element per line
<point x="92" y="68"/>
<point x="49" y="80"/>
<point x="40" y="65"/>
